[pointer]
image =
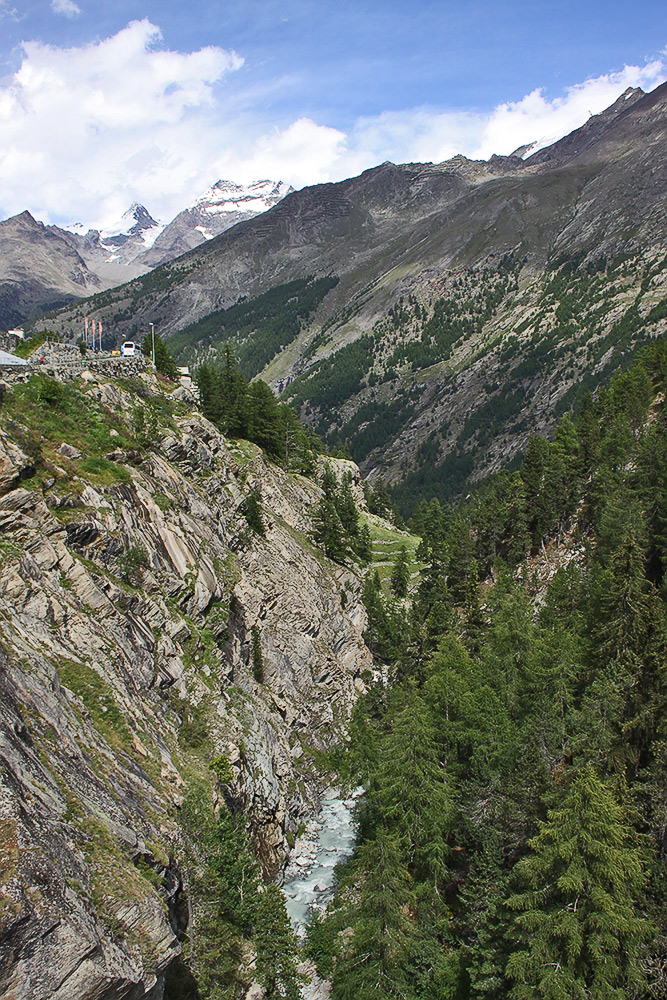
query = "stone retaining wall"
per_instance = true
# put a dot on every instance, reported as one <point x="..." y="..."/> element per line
<point x="66" y="370"/>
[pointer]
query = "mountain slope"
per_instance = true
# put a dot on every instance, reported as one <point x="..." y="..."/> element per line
<point x="419" y="215"/>
<point x="473" y="298"/>
<point x="218" y="209"/>
<point x="39" y="269"/>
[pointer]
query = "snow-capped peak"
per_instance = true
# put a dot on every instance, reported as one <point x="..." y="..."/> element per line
<point x="137" y="222"/>
<point x="227" y="196"/>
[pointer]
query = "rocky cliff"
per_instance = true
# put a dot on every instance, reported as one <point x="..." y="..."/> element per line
<point x="132" y="596"/>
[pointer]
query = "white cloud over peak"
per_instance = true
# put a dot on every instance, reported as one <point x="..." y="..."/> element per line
<point x="424" y="134"/>
<point x="85" y="129"/>
<point x="89" y="130"/>
<point x="537" y="119"/>
<point x="66" y="7"/>
<point x="303" y="153"/>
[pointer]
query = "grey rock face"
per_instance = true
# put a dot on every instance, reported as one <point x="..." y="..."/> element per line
<point x="39" y="269"/>
<point x="219" y="208"/>
<point x="14" y="465"/>
<point x="602" y="186"/>
<point x="115" y="621"/>
<point x="43" y="267"/>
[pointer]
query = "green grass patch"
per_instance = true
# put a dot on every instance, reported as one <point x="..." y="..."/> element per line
<point x="105" y="472"/>
<point x="98" y="698"/>
<point x="386" y="545"/>
<point x="114" y="879"/>
<point x="26" y="347"/>
<point x="10" y="550"/>
<point x="43" y="413"/>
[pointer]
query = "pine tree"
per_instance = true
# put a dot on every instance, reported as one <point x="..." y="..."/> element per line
<point x="364" y="545"/>
<point x="462" y="566"/>
<point x="256" y="656"/>
<point x="400" y="574"/>
<point x="276" y="947"/>
<point x="164" y="362"/>
<point x="220" y="877"/>
<point x="411" y="792"/>
<point x="251" y="508"/>
<point x="576" y="932"/>
<point x="233" y="396"/>
<point x="378" y="499"/>
<point x="328" y="531"/>
<point x="263" y="418"/>
<point x="347" y="508"/>
<point x="370" y="962"/>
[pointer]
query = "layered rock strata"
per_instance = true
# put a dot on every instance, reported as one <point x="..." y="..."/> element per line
<point x="127" y="617"/>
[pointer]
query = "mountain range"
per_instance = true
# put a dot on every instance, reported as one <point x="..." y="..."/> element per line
<point x="43" y="266"/>
<point x="454" y="309"/>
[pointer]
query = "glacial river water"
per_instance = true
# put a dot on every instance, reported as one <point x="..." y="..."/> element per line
<point x="309" y="877"/>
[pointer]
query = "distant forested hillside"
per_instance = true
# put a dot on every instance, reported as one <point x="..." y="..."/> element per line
<point x="514" y="832"/>
<point x="258" y="328"/>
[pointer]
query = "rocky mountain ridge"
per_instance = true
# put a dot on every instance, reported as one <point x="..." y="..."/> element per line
<point x="44" y="266"/>
<point x="133" y="595"/>
<point x="39" y="269"/>
<point x="218" y="209"/>
<point x="115" y="252"/>
<point x="465" y="304"/>
<point x="394" y="223"/>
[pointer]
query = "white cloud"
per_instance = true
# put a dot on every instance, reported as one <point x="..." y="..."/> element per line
<point x="7" y="12"/>
<point x="303" y="153"/>
<point x="536" y="119"/>
<point x="86" y="131"/>
<point x="433" y="136"/>
<point x="66" y="7"/>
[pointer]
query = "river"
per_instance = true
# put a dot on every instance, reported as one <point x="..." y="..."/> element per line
<point x="309" y="877"/>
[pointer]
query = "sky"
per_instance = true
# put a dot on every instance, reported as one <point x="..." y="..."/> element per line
<point x="104" y="104"/>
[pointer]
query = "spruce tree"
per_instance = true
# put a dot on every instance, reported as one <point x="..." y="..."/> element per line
<point x="263" y="418"/>
<point x="370" y="961"/>
<point x="576" y="932"/>
<point x="256" y="656"/>
<point x="347" y="508"/>
<point x="400" y="574"/>
<point x="251" y="508"/>
<point x="164" y="362"/>
<point x="411" y="791"/>
<point x="364" y="544"/>
<point x="328" y="531"/>
<point x="276" y="947"/>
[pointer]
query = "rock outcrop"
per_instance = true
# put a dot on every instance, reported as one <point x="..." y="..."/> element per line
<point x="128" y="610"/>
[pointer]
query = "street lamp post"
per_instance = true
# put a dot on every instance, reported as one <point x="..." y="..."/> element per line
<point x="153" y="342"/>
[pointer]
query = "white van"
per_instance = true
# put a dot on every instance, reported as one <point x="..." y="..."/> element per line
<point x="128" y="349"/>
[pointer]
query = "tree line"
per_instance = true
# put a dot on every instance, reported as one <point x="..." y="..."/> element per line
<point x="250" y="410"/>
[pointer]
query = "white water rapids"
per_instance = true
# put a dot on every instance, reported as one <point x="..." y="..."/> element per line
<point x="309" y="877"/>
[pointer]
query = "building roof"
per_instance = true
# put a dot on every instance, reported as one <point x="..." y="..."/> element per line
<point x="10" y="359"/>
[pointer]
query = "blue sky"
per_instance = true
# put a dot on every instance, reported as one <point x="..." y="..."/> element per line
<point x="102" y="104"/>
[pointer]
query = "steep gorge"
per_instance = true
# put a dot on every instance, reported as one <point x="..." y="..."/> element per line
<point x="133" y="594"/>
